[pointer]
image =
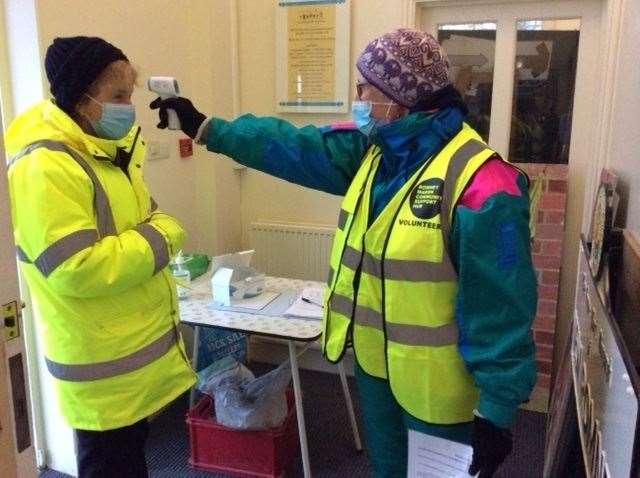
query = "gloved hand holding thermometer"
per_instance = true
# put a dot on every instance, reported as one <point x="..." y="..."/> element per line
<point x="166" y="87"/>
<point x="175" y="112"/>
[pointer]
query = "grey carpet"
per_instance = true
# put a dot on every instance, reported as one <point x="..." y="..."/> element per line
<point x="331" y="449"/>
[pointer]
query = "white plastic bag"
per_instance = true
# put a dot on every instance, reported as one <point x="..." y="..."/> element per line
<point x="255" y="404"/>
<point x="210" y="377"/>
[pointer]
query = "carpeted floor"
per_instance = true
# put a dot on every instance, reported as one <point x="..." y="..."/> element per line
<point x="331" y="449"/>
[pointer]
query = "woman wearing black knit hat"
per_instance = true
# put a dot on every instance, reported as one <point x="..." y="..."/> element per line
<point x="94" y="250"/>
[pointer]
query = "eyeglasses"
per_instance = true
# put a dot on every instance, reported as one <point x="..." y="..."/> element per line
<point x="360" y="86"/>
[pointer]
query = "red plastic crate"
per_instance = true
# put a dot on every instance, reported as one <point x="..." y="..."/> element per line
<point x="243" y="453"/>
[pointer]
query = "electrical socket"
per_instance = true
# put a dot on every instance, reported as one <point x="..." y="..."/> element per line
<point x="157" y="150"/>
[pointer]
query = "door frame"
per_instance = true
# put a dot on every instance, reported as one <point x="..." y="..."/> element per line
<point x="29" y="344"/>
<point x="18" y="463"/>
<point x="505" y="15"/>
<point x="8" y="464"/>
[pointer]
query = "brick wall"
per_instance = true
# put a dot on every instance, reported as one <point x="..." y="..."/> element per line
<point x="547" y="259"/>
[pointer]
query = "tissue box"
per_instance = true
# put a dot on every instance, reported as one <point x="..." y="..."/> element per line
<point x="241" y="282"/>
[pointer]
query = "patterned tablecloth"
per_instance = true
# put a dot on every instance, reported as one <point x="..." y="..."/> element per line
<point x="197" y="310"/>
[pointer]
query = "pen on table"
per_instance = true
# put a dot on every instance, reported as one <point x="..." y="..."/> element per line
<point x="309" y="301"/>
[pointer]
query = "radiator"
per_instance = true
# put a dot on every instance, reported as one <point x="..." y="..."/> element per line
<point x="299" y="251"/>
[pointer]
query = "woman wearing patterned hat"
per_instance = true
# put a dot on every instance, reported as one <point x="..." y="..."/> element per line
<point x="94" y="250"/>
<point x="431" y="279"/>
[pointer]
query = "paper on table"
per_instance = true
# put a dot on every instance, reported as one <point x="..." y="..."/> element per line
<point x="433" y="457"/>
<point x="313" y="294"/>
<point x="309" y="309"/>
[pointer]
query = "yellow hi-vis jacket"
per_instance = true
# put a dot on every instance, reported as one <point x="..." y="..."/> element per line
<point x="392" y="286"/>
<point x="94" y="251"/>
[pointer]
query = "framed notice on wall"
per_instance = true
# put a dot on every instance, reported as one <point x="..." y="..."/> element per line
<point x="312" y="56"/>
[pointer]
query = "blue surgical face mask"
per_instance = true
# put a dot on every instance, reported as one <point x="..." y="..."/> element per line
<point x="116" y="120"/>
<point x="361" y="114"/>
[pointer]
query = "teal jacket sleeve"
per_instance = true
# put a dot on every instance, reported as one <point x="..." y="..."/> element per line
<point x="497" y="299"/>
<point x="324" y="158"/>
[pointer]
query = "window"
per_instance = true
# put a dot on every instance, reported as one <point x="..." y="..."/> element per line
<point x="545" y="74"/>
<point x="471" y="51"/>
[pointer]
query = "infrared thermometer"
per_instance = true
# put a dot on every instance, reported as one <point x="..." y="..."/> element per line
<point x="166" y="87"/>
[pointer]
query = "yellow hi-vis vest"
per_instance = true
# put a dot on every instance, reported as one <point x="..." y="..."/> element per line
<point x="392" y="285"/>
<point x="94" y="254"/>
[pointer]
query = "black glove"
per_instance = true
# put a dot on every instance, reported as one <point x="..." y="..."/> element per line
<point x="190" y="118"/>
<point x="491" y="446"/>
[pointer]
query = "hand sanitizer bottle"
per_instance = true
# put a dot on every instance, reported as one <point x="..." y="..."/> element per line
<point x="182" y="276"/>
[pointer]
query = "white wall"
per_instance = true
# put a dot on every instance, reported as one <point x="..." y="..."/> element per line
<point x="264" y="197"/>
<point x="25" y="83"/>
<point x="218" y="183"/>
<point x="623" y="155"/>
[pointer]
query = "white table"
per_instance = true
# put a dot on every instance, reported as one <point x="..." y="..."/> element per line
<point x="196" y="311"/>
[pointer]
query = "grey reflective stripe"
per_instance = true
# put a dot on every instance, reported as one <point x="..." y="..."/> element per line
<point x="368" y="317"/>
<point x="112" y="368"/>
<point x="418" y="271"/>
<point x="22" y="256"/>
<point x="371" y="265"/>
<point x="63" y="249"/>
<point x="398" y="269"/>
<point x="341" y="304"/>
<point x="26" y="150"/>
<point x="154" y="205"/>
<point x="330" y="277"/>
<point x="420" y="335"/>
<point x="457" y="164"/>
<point x="342" y="219"/>
<point x="106" y="224"/>
<point x="351" y="258"/>
<point x="157" y="243"/>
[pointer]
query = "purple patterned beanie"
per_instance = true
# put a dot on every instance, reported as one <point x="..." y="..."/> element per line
<point x="406" y="65"/>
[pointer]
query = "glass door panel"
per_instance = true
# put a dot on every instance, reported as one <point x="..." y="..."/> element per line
<point x="545" y="75"/>
<point x="471" y="51"/>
